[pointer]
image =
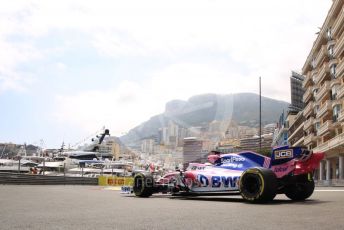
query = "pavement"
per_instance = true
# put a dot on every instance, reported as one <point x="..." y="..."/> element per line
<point x="94" y="207"/>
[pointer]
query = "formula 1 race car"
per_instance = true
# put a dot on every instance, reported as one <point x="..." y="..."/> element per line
<point x="255" y="177"/>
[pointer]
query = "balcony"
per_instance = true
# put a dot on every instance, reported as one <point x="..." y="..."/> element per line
<point x="338" y="24"/>
<point x="336" y="102"/>
<point x="323" y="90"/>
<point x="307" y="95"/>
<point x="308" y="109"/>
<point x="325" y="128"/>
<point x="308" y="123"/>
<point x="322" y="148"/>
<point x="340" y="92"/>
<point x="327" y="106"/>
<point x="322" y="55"/>
<point x="340" y="69"/>
<point x="341" y="116"/>
<point x="308" y="80"/>
<point x="325" y="69"/>
<point x="310" y="139"/>
<point x="307" y="66"/>
<point x="296" y="131"/>
<point x="339" y="47"/>
<point x="334" y="82"/>
<point x="333" y="143"/>
<point x="331" y="43"/>
<point x="299" y="142"/>
<point x="334" y="8"/>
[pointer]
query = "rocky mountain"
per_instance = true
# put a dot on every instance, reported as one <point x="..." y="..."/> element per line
<point x="200" y="110"/>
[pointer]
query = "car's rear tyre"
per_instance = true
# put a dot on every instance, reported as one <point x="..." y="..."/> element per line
<point x="300" y="191"/>
<point x="143" y="185"/>
<point x="258" y="185"/>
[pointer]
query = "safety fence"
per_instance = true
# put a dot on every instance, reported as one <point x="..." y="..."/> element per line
<point x="19" y="178"/>
<point x="330" y="183"/>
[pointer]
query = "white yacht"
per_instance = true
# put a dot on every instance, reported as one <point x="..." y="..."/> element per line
<point x="16" y="166"/>
<point x="95" y="168"/>
<point x="57" y="166"/>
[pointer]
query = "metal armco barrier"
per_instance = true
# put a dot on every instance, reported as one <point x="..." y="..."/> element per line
<point x="18" y="178"/>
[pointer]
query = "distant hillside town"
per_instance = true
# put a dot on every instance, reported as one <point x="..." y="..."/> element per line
<point x="188" y="130"/>
<point x="178" y="142"/>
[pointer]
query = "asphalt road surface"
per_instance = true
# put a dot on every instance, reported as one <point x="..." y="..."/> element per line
<point x="93" y="207"/>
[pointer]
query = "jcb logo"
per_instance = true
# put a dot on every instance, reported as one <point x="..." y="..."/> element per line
<point x="283" y="154"/>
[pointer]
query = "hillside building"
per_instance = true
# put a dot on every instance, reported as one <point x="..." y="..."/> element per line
<point x="252" y="143"/>
<point x="147" y="146"/>
<point x="192" y="150"/>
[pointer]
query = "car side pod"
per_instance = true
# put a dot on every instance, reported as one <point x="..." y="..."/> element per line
<point x="143" y="185"/>
<point x="258" y="185"/>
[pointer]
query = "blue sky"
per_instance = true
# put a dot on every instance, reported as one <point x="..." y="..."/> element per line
<point x="68" y="68"/>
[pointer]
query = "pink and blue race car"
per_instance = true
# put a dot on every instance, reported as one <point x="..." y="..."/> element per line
<point x="255" y="177"/>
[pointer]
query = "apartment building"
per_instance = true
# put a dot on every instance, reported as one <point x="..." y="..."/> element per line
<point x="280" y="137"/>
<point x="147" y="146"/>
<point x="295" y="119"/>
<point x="296" y="134"/>
<point x="324" y="94"/>
<point x="297" y="91"/>
<point x="252" y="143"/>
<point x="192" y="150"/>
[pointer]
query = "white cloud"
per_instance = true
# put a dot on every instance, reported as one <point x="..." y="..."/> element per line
<point x="205" y="46"/>
<point x="11" y="56"/>
<point x="117" y="109"/>
<point x="129" y="104"/>
<point x="60" y="66"/>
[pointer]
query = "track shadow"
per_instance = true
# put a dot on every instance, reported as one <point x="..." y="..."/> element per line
<point x="241" y="200"/>
<point x="229" y="199"/>
<point x="155" y="196"/>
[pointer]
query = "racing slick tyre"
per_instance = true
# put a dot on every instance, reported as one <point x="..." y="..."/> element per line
<point x="143" y="185"/>
<point x="300" y="191"/>
<point x="258" y="185"/>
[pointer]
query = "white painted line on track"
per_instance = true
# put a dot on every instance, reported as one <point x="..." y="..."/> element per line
<point x="324" y="190"/>
<point x="112" y="188"/>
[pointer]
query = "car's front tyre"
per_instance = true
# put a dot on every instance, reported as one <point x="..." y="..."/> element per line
<point x="143" y="185"/>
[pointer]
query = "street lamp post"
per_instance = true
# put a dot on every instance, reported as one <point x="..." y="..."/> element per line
<point x="260" y="115"/>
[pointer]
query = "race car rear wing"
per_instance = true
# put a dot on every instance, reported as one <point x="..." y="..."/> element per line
<point x="295" y="160"/>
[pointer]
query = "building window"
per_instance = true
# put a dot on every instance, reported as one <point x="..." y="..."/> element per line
<point x="313" y="63"/>
<point x="316" y="108"/>
<point x="315" y="91"/>
<point x="329" y="33"/>
<point x="331" y="51"/>
<point x="317" y="126"/>
<point x="334" y="91"/>
<point x="333" y="71"/>
<point x="336" y="112"/>
<point x="314" y="78"/>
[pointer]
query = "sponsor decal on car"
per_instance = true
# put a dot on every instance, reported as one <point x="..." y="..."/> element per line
<point x="232" y="159"/>
<point x="284" y="154"/>
<point x="218" y="181"/>
<point x="280" y="169"/>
